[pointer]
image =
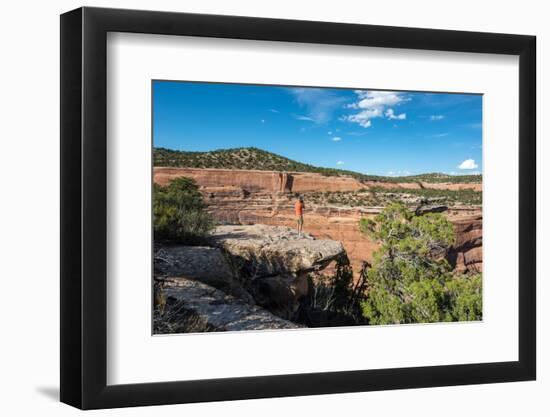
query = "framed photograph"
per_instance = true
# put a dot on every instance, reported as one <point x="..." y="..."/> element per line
<point x="256" y="208"/>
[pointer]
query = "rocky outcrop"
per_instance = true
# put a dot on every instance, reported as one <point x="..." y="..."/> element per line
<point x="273" y="262"/>
<point x="275" y="250"/>
<point x="217" y="310"/>
<point x="258" y="265"/>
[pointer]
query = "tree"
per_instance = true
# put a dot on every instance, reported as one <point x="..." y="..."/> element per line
<point x="465" y="298"/>
<point x="179" y="212"/>
<point x="410" y="280"/>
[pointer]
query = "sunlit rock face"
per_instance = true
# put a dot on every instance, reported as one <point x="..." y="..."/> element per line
<point x="275" y="181"/>
<point x="247" y="197"/>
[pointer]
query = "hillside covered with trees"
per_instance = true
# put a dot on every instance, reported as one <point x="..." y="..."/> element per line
<point x="258" y="159"/>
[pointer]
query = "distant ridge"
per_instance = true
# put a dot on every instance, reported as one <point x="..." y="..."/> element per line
<point x="258" y="159"/>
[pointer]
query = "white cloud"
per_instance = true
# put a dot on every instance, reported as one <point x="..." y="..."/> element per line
<point x="263" y="120"/>
<point x="390" y="114"/>
<point x="362" y="119"/>
<point x="340" y="163"/>
<point x="377" y="99"/>
<point x="319" y="103"/>
<point x="336" y="139"/>
<point x="274" y="111"/>
<point x="329" y="132"/>
<point x="305" y="118"/>
<point x="435" y="117"/>
<point x="374" y="104"/>
<point x="468" y="164"/>
<point x="440" y="135"/>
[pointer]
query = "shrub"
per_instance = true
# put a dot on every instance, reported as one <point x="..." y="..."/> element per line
<point x="410" y="280"/>
<point x="179" y="212"/>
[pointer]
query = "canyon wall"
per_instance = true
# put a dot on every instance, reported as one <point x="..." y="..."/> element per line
<point x="298" y="182"/>
<point x="266" y="197"/>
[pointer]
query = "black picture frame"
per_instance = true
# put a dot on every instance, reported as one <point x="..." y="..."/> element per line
<point x="84" y="207"/>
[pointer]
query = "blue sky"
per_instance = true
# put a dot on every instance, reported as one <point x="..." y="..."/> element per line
<point x="368" y="131"/>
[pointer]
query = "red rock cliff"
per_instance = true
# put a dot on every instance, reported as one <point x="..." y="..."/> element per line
<point x="249" y="197"/>
<point x="274" y="181"/>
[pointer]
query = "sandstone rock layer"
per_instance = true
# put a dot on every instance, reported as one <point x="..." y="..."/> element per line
<point x="247" y="197"/>
<point x="275" y="181"/>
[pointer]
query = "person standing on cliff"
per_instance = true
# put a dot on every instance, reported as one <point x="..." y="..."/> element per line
<point x="299" y="208"/>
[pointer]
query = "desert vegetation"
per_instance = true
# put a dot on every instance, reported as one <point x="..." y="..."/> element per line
<point x="179" y="213"/>
<point x="410" y="280"/>
<point x="465" y="196"/>
<point x="438" y="177"/>
<point x="378" y="196"/>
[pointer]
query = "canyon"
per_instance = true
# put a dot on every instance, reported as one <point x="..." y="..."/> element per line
<point x="249" y="197"/>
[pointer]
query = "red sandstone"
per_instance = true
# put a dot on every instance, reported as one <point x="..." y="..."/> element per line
<point x="251" y="196"/>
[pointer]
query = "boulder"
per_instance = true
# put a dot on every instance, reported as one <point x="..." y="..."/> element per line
<point x="260" y="251"/>
<point x="215" y="309"/>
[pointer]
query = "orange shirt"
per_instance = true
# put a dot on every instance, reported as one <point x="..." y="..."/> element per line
<point x="299" y="208"/>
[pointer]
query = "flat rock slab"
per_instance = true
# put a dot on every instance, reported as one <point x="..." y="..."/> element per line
<point x="196" y="262"/>
<point x="274" y="250"/>
<point x="222" y="311"/>
<point x="201" y="263"/>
